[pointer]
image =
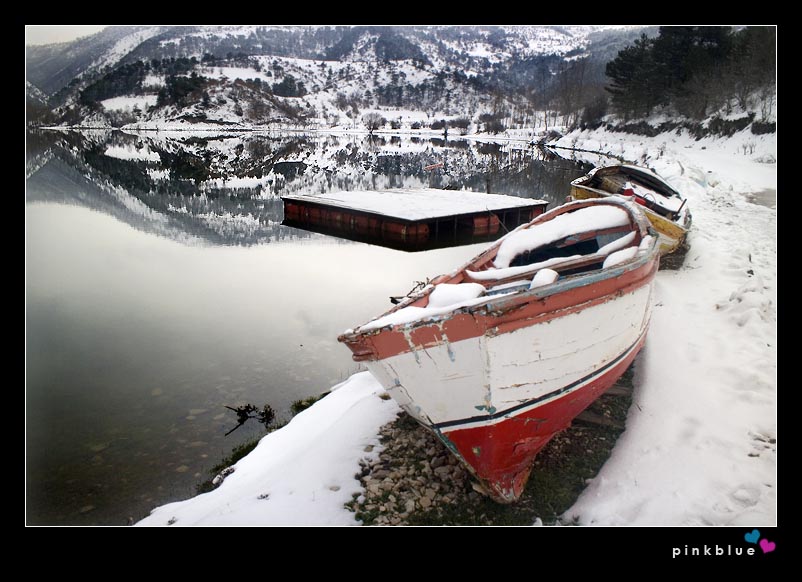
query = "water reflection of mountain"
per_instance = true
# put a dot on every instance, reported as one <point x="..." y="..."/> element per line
<point x="225" y="189"/>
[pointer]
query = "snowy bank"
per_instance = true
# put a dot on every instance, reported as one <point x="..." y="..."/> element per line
<point x="302" y="474"/>
<point x="700" y="442"/>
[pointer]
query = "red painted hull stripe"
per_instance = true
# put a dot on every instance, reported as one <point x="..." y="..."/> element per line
<point x="529" y="403"/>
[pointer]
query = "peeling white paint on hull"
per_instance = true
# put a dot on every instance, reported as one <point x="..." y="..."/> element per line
<point x="469" y="391"/>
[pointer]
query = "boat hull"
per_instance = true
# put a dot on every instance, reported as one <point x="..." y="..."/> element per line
<point x="502" y="453"/>
<point x="495" y="378"/>
<point x="496" y="389"/>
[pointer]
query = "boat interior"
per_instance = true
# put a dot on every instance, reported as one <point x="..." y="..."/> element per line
<point x="580" y="254"/>
<point x="650" y="195"/>
<point x="583" y="252"/>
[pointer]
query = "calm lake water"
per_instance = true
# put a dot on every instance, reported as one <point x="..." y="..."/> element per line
<point x="161" y="286"/>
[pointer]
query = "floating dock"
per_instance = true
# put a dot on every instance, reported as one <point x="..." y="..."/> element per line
<point x="411" y="219"/>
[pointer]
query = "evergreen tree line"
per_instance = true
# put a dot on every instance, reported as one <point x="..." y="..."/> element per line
<point x="695" y="70"/>
<point x="179" y="86"/>
<point x="128" y="78"/>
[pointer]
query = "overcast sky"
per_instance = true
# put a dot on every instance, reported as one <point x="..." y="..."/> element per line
<point x="41" y="34"/>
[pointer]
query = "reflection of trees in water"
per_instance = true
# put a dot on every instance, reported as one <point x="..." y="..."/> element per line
<point x="520" y="173"/>
<point x="37" y="143"/>
<point x="225" y="189"/>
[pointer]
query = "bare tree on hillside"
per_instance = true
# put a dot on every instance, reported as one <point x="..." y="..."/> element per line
<point x="373" y="121"/>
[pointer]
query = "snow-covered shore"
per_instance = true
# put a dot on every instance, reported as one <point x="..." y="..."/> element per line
<point x="700" y="442"/>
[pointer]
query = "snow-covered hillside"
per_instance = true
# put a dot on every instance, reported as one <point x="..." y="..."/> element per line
<point x="123" y="47"/>
<point x="304" y="75"/>
<point x="146" y="42"/>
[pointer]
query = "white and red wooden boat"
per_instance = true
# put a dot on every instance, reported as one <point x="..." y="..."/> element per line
<point x="500" y="355"/>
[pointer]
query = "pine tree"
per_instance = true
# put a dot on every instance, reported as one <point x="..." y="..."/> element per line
<point x="684" y="52"/>
<point x="632" y="89"/>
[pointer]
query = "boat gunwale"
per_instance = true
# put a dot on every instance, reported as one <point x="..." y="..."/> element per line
<point x="501" y="302"/>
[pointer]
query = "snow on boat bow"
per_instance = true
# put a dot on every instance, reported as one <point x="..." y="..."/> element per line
<point x="500" y="355"/>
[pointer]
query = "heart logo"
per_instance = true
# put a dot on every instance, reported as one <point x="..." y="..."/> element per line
<point x="752" y="536"/>
<point x="767" y="546"/>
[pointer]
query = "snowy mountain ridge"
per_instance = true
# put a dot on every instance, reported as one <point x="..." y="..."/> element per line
<point x="302" y="76"/>
<point x="446" y="45"/>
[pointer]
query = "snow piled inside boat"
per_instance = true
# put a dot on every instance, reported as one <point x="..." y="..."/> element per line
<point x="447" y="294"/>
<point x="447" y="298"/>
<point x="495" y="274"/>
<point x="645" y="243"/>
<point x="617" y="244"/>
<point x="582" y="220"/>
<point x="540" y="236"/>
<point x="544" y="277"/>
<point x="672" y="203"/>
<point x="619" y="257"/>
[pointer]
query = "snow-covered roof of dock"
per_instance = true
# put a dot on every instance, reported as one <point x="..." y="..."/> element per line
<point x="418" y="203"/>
